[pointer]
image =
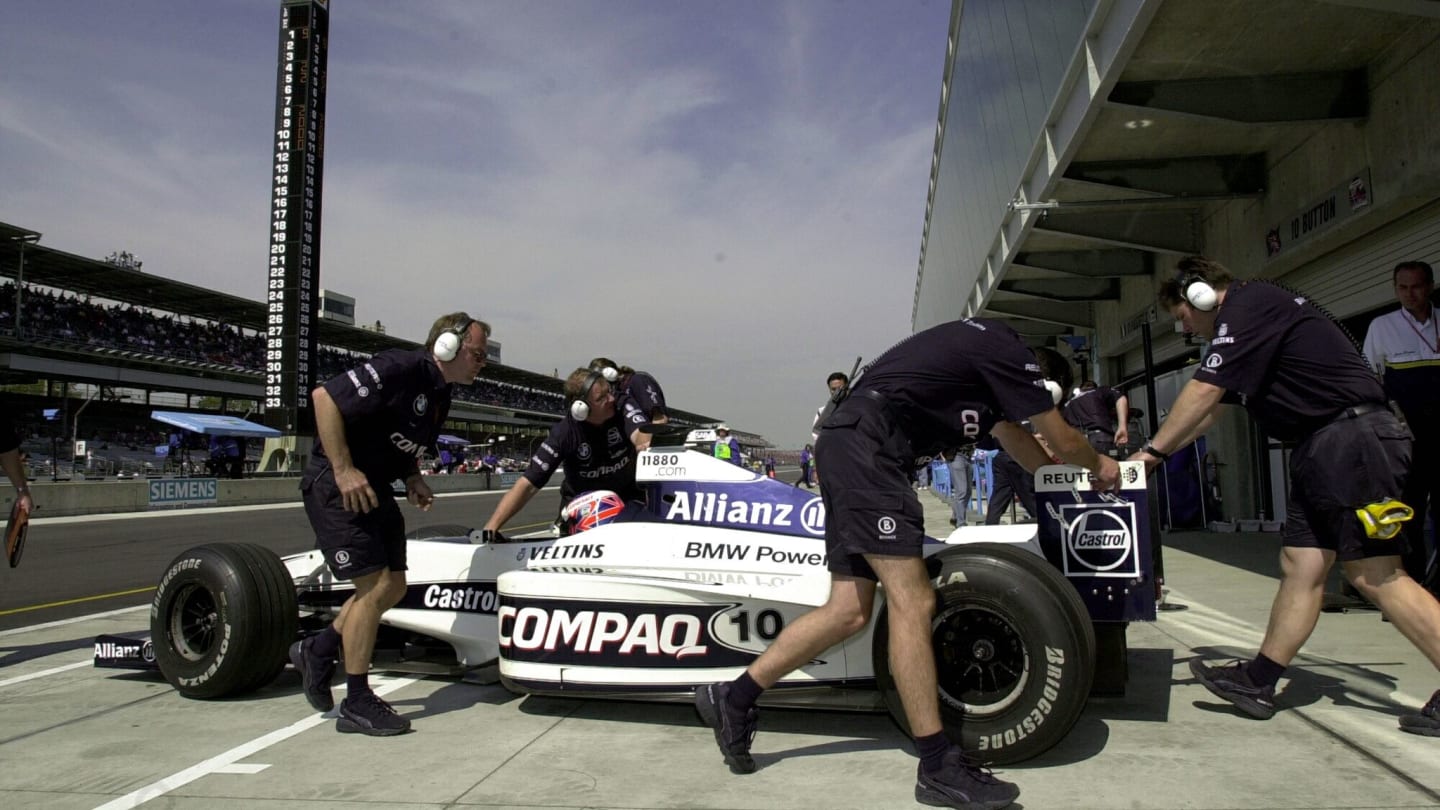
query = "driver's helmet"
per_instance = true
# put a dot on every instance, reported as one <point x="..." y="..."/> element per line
<point x="590" y="510"/>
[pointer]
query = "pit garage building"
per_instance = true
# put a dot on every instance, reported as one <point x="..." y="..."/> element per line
<point x="1083" y="146"/>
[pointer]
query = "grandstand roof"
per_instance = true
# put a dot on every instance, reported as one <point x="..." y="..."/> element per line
<point x="57" y="269"/>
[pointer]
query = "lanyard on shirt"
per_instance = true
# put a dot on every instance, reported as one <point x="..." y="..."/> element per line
<point x="1425" y="341"/>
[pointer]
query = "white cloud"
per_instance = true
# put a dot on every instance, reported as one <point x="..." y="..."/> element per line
<point x="733" y="203"/>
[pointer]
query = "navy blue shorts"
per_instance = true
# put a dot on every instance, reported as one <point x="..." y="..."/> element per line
<point x="1345" y="465"/>
<point x="354" y="543"/>
<point x="863" y="461"/>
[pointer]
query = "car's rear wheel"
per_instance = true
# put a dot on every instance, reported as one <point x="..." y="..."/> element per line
<point x="222" y="620"/>
<point x="1014" y="652"/>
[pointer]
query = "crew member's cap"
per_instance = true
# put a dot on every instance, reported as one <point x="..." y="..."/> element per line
<point x="719" y="428"/>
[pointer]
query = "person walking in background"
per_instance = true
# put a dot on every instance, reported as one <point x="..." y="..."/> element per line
<point x="805" y="478"/>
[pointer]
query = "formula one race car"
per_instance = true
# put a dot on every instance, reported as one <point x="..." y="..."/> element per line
<point x="686" y="590"/>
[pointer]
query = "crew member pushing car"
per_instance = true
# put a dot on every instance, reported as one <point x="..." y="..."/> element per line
<point x="1303" y="380"/>
<point x="940" y="389"/>
<point x="373" y="424"/>
<point x="593" y="444"/>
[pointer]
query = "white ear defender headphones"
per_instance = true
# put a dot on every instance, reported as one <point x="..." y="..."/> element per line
<point x="1197" y="292"/>
<point x="447" y="343"/>
<point x="1056" y="392"/>
<point x="580" y="408"/>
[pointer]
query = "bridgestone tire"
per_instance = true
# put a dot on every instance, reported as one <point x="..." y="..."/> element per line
<point x="1014" y="652"/>
<point x="223" y="619"/>
<point x="442" y="531"/>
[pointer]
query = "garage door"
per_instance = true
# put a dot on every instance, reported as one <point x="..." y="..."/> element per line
<point x="1357" y="277"/>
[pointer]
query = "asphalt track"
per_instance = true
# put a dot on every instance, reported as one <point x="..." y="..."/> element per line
<point x="76" y="566"/>
<point x="76" y="737"/>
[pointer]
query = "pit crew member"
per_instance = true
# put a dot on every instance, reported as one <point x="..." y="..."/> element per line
<point x="1302" y="379"/>
<point x="373" y="424"/>
<point x="1102" y="414"/>
<point x="939" y="389"/>
<point x="591" y="442"/>
<point x="635" y="392"/>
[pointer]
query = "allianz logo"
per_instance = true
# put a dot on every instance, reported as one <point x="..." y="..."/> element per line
<point x="719" y="508"/>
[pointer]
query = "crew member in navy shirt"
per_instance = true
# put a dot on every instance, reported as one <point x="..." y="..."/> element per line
<point x="591" y="442"/>
<point x="1102" y="414"/>
<point x="1303" y="380"/>
<point x="373" y="424"/>
<point x="637" y="393"/>
<point x="938" y="390"/>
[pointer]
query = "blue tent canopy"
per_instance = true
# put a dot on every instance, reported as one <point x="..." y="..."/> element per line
<point x="446" y="438"/>
<point x="214" y="424"/>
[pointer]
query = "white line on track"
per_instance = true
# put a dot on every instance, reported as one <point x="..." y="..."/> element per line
<point x="229" y="761"/>
<point x="62" y="622"/>
<point x="46" y="672"/>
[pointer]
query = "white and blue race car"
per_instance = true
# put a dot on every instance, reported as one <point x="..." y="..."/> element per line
<point x="684" y="591"/>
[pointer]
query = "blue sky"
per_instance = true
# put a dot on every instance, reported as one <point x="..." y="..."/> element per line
<point x="729" y="195"/>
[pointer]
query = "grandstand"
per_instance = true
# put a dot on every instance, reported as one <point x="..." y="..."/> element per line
<point x="75" y="329"/>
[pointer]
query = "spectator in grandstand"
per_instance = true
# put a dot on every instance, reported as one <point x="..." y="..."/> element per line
<point x="940" y="389"/>
<point x="1404" y="348"/>
<point x="727" y="447"/>
<point x="591" y="442"/>
<point x="1102" y="414"/>
<point x="635" y="391"/>
<point x="372" y="426"/>
<point x="14" y="468"/>
<point x="805" y="456"/>
<point x="1300" y="377"/>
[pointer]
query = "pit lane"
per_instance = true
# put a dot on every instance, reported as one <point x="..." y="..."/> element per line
<point x="76" y="737"/>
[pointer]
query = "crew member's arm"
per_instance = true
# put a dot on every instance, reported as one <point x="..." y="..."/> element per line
<point x="15" y="471"/>
<point x="511" y="504"/>
<point x="1071" y="445"/>
<point x="1021" y="446"/>
<point x="1122" y="420"/>
<point x="354" y="487"/>
<point x="1193" y="412"/>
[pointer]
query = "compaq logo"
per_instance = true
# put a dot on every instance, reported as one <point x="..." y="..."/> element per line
<point x="598" y="632"/>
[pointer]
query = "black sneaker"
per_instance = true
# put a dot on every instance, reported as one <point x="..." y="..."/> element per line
<point x="963" y="784"/>
<point x="1233" y="683"/>
<point x="1427" y="722"/>
<point x="368" y="714"/>
<point x="315" y="674"/>
<point x="734" y="731"/>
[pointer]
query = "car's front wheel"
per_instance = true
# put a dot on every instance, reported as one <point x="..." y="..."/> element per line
<point x="1014" y="652"/>
<point x="223" y="617"/>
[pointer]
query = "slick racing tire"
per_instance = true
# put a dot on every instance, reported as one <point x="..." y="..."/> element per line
<point x="1014" y="652"/>
<point x="223" y="619"/>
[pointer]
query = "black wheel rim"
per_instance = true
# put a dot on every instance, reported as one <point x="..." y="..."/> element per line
<point x="980" y="660"/>
<point x="194" y="621"/>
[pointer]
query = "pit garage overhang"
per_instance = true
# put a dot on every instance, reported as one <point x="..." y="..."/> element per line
<point x="1168" y="109"/>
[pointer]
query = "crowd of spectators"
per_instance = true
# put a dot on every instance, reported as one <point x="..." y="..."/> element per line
<point x="78" y="321"/>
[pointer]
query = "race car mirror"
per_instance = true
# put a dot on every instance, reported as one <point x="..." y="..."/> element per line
<point x="15" y="530"/>
<point x="1099" y="540"/>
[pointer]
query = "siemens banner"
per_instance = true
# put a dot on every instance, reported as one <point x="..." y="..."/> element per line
<point x="184" y="492"/>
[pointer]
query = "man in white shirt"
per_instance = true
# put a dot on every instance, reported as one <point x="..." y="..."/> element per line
<point x="1404" y="347"/>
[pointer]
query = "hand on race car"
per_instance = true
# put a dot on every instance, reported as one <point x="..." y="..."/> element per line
<point x="418" y="492"/>
<point x="355" y="491"/>
<point x="492" y="536"/>
<point x="640" y="438"/>
<point x="1107" y="476"/>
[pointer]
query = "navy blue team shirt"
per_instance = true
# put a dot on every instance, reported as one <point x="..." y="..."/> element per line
<point x="1287" y="363"/>
<point x="948" y="385"/>
<point x="393" y="406"/>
